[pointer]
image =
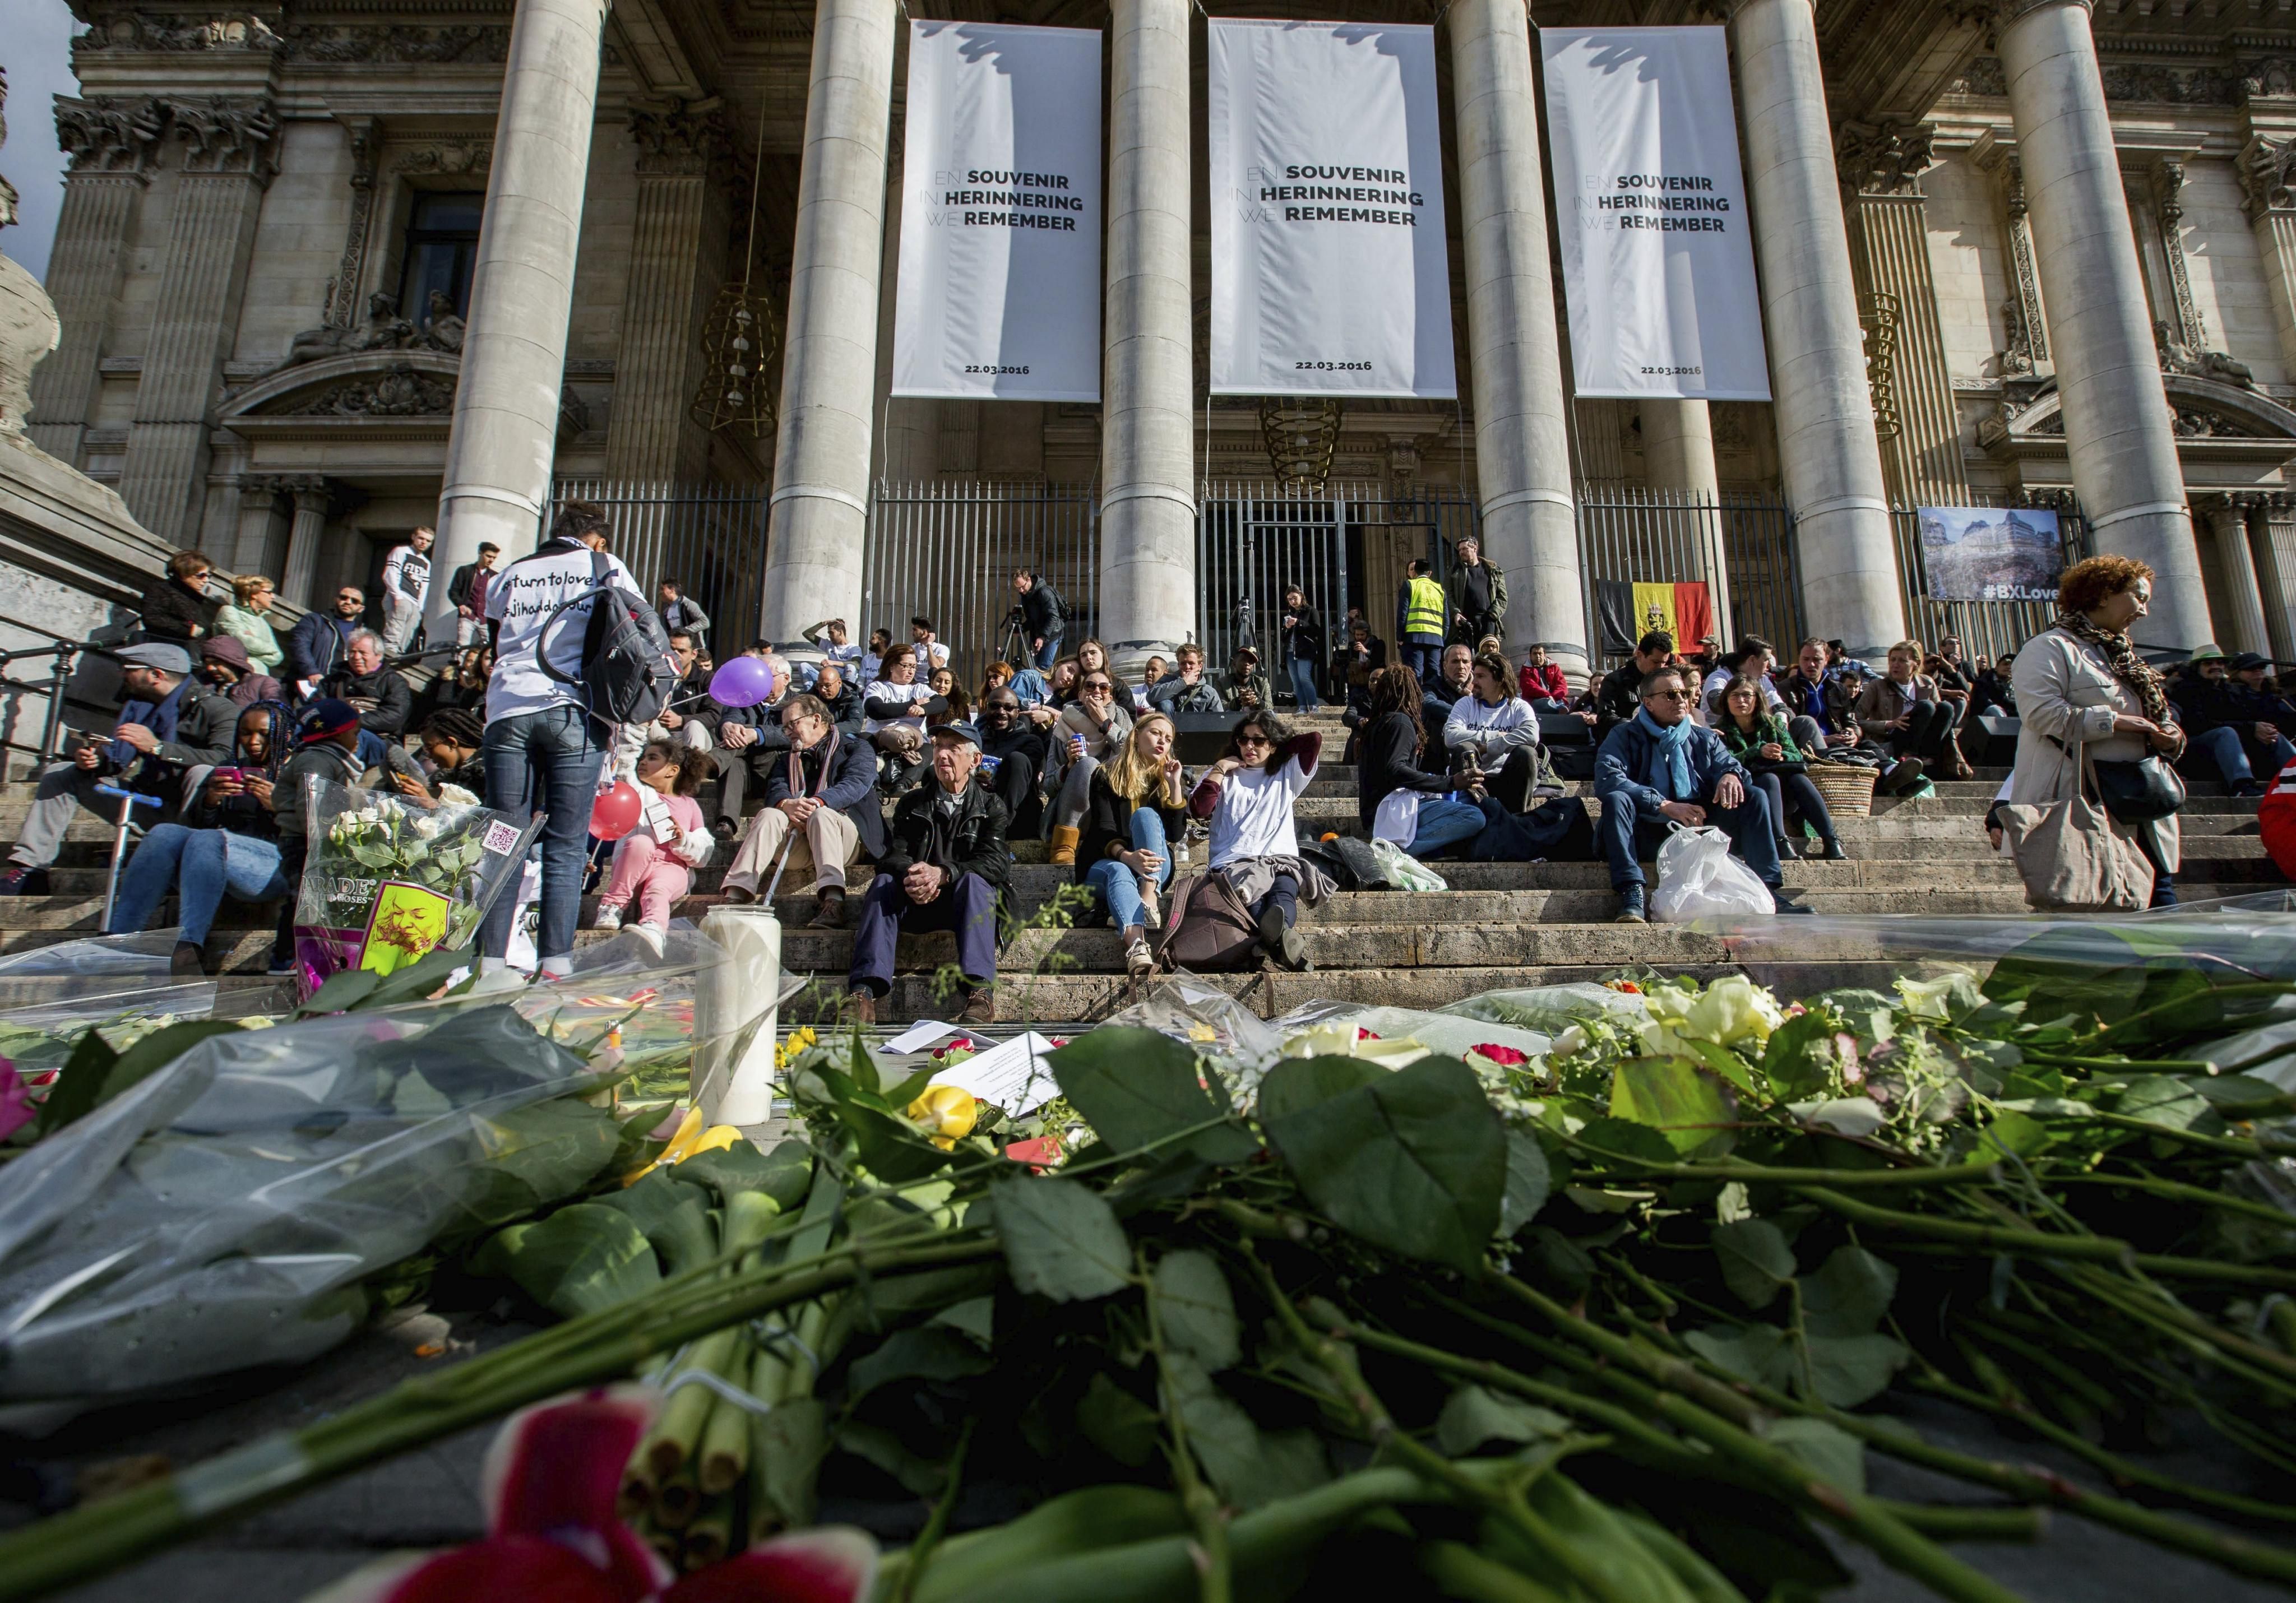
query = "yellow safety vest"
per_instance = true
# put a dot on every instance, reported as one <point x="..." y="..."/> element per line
<point x="1423" y="613"/>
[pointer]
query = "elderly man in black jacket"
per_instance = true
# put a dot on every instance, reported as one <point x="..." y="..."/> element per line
<point x="943" y="870"/>
<point x="822" y="786"/>
<point x="381" y="697"/>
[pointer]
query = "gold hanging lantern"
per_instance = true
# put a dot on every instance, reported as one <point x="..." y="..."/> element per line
<point x="739" y="342"/>
<point x="1302" y="438"/>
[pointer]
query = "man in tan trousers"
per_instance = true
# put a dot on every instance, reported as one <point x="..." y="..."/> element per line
<point x="823" y="787"/>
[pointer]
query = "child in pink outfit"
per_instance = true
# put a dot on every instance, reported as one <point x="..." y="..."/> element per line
<point x="655" y="862"/>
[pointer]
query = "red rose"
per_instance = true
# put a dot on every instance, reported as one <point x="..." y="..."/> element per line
<point x="1506" y="1057"/>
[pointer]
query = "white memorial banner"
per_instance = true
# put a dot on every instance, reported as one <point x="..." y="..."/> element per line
<point x="1329" y="272"/>
<point x="999" y="290"/>
<point x="1658" y="258"/>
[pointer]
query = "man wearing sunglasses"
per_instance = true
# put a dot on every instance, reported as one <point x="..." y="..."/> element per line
<point x="1659" y="769"/>
<point x="317" y="645"/>
<point x="1011" y="755"/>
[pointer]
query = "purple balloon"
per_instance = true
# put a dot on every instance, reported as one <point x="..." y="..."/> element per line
<point x="742" y="682"/>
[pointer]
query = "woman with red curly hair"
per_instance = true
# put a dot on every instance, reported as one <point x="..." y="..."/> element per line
<point x="2082" y="692"/>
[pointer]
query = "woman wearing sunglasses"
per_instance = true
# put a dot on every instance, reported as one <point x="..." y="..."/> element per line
<point x="1090" y="731"/>
<point x="1249" y="796"/>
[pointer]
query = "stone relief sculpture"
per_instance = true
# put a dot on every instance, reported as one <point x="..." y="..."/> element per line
<point x="383" y="330"/>
<point x="2177" y="357"/>
<point x="442" y="331"/>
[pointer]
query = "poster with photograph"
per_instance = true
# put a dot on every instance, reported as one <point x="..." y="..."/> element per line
<point x="1991" y="553"/>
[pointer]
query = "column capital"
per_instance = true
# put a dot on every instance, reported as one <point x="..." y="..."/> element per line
<point x="107" y="133"/>
<point x="683" y="137"/>
<point x="225" y="134"/>
<point x="1883" y="157"/>
<point x="2265" y="170"/>
<point x="2000" y="13"/>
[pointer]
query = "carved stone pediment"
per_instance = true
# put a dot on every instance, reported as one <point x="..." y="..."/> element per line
<point x="393" y="388"/>
<point x="2214" y="419"/>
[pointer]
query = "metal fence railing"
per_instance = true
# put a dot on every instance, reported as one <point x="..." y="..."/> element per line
<point x="947" y="551"/>
<point x="1740" y="546"/>
<point x="708" y="538"/>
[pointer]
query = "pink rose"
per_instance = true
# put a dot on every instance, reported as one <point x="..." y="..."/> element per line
<point x="16" y="1109"/>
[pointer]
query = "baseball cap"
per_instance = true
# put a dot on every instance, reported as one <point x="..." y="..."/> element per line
<point x="2247" y="660"/>
<point x="2211" y="652"/>
<point x="326" y="716"/>
<point x="957" y="732"/>
<point x="157" y="655"/>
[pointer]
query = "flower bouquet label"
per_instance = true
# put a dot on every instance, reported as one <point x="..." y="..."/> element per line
<point x="388" y="879"/>
<point x="408" y="921"/>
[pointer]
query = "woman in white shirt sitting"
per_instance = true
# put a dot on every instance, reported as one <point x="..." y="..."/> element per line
<point x="898" y="700"/>
<point x="1248" y="795"/>
<point x="1500" y="729"/>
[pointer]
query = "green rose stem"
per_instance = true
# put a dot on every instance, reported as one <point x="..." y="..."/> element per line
<point x="1503" y="1505"/>
<point x="103" y="1536"/>
<point x="921" y="1550"/>
<point x="2041" y="1244"/>
<point x="1216" y="1576"/>
<point x="1959" y="1174"/>
<point x="1866" y="1518"/>
<point x="2232" y="1552"/>
<point x="2174" y="1191"/>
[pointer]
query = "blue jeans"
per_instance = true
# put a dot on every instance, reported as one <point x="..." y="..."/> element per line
<point x="1444" y="823"/>
<point x="1422" y="654"/>
<point x="2229" y="753"/>
<point x="543" y="762"/>
<point x="968" y="907"/>
<point x="1048" y="653"/>
<point x="202" y="866"/>
<point x="1303" y="684"/>
<point x="1117" y="886"/>
<point x="1626" y="839"/>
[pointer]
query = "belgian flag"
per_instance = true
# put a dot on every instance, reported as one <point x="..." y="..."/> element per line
<point x="1631" y="611"/>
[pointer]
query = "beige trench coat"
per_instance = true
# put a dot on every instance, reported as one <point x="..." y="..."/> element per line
<point x="2065" y="691"/>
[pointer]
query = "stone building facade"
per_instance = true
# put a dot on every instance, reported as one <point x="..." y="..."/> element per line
<point x="2013" y="251"/>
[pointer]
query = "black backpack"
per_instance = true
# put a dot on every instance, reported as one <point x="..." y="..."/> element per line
<point x="627" y="673"/>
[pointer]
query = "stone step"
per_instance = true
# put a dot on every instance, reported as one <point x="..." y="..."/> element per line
<point x="1050" y="1000"/>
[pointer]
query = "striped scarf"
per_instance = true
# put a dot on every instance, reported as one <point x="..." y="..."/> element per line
<point x="828" y="749"/>
<point x="2120" y="655"/>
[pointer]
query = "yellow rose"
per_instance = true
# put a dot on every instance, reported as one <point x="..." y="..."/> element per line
<point x="946" y="1112"/>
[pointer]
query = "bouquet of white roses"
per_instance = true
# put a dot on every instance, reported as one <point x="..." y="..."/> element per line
<point x="388" y="879"/>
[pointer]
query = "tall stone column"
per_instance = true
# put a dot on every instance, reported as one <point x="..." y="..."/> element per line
<point x="2272" y="577"/>
<point x="2267" y="169"/>
<point x="2119" y="433"/>
<point x="303" y="538"/>
<point x="506" y="421"/>
<point x="677" y="255"/>
<point x="1678" y="454"/>
<point x="113" y="145"/>
<point x="1515" y="355"/>
<point x="1829" y="455"/>
<point x="820" y="517"/>
<point x="210" y="234"/>
<point x="1148" y="510"/>
<point x="1881" y="166"/>
<point x="2244" y="630"/>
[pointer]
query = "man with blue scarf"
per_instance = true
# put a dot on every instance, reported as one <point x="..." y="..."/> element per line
<point x="1659" y="769"/>
<point x="171" y="722"/>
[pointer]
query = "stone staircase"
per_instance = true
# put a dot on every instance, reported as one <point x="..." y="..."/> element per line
<point x="1500" y="924"/>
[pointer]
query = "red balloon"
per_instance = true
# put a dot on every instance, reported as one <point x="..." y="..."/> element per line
<point x="617" y="811"/>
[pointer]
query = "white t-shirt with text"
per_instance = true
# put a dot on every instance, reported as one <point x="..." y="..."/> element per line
<point x="523" y="596"/>
<point x="1254" y="816"/>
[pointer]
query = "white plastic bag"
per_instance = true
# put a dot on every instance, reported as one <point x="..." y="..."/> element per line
<point x="1699" y="879"/>
<point x="1397" y="818"/>
<point x="1403" y="871"/>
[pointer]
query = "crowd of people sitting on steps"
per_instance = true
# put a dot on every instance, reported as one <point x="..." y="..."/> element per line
<point x="873" y="758"/>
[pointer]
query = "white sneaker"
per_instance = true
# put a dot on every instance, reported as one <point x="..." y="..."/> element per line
<point x="609" y="918"/>
<point x="653" y="935"/>
<point x="1139" y="962"/>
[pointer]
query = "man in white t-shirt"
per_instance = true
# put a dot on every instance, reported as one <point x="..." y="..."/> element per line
<point x="406" y="581"/>
<point x="1249" y="797"/>
<point x="930" y="653"/>
<point x="544" y="751"/>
